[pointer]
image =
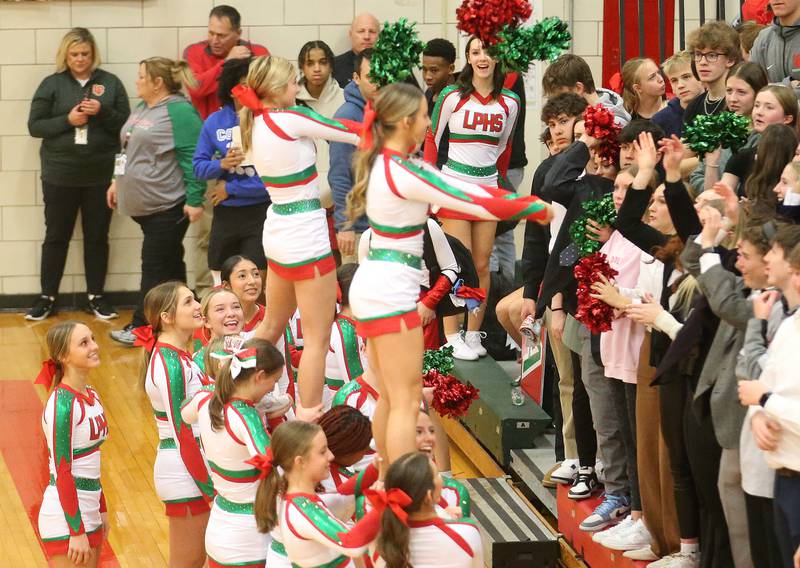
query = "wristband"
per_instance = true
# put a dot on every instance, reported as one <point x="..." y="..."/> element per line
<point x="764" y="398"/>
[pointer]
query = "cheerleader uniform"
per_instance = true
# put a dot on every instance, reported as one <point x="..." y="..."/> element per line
<point x="181" y="475"/>
<point x="479" y="142"/>
<point x="346" y="358"/>
<point x="256" y="319"/>
<point x="232" y="536"/>
<point x="296" y="240"/>
<point x="441" y="543"/>
<point x="385" y="288"/>
<point x="74" y="426"/>
<point x="312" y="535"/>
<point x="454" y="494"/>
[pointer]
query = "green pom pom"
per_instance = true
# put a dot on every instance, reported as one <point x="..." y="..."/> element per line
<point x="438" y="359"/>
<point x="602" y="212"/>
<point x="517" y="46"/>
<point x="395" y="53"/>
<point x="706" y="133"/>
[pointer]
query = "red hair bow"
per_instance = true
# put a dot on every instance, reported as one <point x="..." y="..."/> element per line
<point x="366" y="127"/>
<point x="262" y="462"/>
<point x="248" y="97"/>
<point x="395" y="499"/>
<point x="46" y="374"/>
<point x="144" y="337"/>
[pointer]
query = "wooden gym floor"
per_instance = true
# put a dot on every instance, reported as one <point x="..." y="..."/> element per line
<point x="138" y="526"/>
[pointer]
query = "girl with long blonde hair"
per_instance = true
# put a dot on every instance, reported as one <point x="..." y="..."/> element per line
<point x="396" y="193"/>
<point x="278" y="139"/>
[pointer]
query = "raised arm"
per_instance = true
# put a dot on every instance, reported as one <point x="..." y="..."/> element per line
<point x="511" y="102"/>
<point x="302" y="122"/>
<point x="419" y="182"/>
<point x="561" y="180"/>
<point x="169" y="378"/>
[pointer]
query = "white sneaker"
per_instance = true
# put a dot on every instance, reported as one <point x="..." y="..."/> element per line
<point x="678" y="560"/>
<point x="460" y="349"/>
<point x="645" y="554"/>
<point x="473" y="341"/>
<point x="566" y="472"/>
<point x="620" y="527"/>
<point x="633" y="539"/>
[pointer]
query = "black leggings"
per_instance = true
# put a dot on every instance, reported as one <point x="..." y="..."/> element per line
<point x="673" y="398"/>
<point x="704" y="455"/>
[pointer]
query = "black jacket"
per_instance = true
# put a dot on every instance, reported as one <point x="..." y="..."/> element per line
<point x="537" y="237"/>
<point x="64" y="162"/>
<point x="563" y="186"/>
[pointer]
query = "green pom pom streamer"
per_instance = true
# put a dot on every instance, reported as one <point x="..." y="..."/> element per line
<point x="602" y="212"/>
<point x="395" y="53"/>
<point x="543" y="41"/>
<point x="438" y="359"/>
<point x="726" y="130"/>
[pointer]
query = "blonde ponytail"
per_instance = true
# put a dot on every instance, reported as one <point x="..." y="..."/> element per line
<point x="393" y="103"/>
<point x="267" y="76"/>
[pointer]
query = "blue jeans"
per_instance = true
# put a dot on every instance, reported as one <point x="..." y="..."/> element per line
<point x="504" y="253"/>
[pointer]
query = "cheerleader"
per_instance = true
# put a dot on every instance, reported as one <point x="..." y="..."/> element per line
<point x="396" y="194"/>
<point x="280" y="138"/>
<point x="233" y="434"/>
<point x="286" y="503"/>
<point x="72" y="518"/>
<point x="412" y="534"/>
<point x="481" y="116"/>
<point x="349" y="434"/>
<point x="241" y="276"/>
<point x="347" y="354"/>
<point x="455" y="499"/>
<point x="222" y="316"/>
<point x="181" y="475"/>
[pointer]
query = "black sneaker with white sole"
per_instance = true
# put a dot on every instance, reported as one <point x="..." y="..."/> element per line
<point x="42" y="309"/>
<point x="584" y="485"/>
<point x="100" y="307"/>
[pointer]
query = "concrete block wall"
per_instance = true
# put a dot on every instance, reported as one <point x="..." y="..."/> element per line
<point x="130" y="30"/>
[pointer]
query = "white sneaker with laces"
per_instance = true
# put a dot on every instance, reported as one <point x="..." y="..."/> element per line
<point x="460" y="349"/>
<point x="619" y="528"/>
<point x="678" y="560"/>
<point x="473" y="341"/>
<point x="566" y="472"/>
<point x="633" y="539"/>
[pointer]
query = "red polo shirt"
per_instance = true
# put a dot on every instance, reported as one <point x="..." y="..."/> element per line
<point x="206" y="68"/>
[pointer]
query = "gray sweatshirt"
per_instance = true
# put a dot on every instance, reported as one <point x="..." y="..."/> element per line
<point x="159" y="143"/>
<point x="777" y="49"/>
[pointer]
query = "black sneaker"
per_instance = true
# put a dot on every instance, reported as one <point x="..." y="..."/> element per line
<point x="41" y="309"/>
<point x="100" y="307"/>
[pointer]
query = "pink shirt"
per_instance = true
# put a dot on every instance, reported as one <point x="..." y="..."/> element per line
<point x="619" y="348"/>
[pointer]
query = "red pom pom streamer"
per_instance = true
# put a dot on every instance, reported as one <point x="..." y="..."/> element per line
<point x="451" y="397"/>
<point x="485" y="18"/>
<point x="598" y="122"/>
<point x="593" y="313"/>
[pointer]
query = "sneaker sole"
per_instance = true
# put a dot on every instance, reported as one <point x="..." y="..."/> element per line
<point x="101" y="315"/>
<point x="40" y="318"/>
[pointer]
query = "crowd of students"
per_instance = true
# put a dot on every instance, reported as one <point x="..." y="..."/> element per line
<point x="277" y="416"/>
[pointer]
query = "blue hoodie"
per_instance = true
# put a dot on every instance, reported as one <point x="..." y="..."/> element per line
<point x="340" y="174"/>
<point x="670" y="118"/>
<point x="244" y="187"/>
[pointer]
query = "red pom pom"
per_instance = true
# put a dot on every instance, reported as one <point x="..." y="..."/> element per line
<point x="593" y="313"/>
<point x="484" y="18"/>
<point x="598" y="122"/>
<point x="451" y="397"/>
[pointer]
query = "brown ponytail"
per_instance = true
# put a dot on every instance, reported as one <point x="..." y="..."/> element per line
<point x="58" y="339"/>
<point x="268" y="359"/>
<point x="159" y="300"/>
<point x="290" y="440"/>
<point x="393" y="103"/>
<point x="413" y="473"/>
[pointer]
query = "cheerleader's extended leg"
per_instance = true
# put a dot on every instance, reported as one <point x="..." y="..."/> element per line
<point x="281" y="304"/>
<point x="482" y="242"/>
<point x="316" y="298"/>
<point x="461" y="230"/>
<point x="399" y="360"/>
<point x="186" y="544"/>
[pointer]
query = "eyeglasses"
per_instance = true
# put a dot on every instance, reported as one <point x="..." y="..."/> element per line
<point x="711" y="56"/>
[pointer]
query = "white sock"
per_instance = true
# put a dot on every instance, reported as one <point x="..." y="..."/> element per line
<point x="690" y="548"/>
<point x="452" y="336"/>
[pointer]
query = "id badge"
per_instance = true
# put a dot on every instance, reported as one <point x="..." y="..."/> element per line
<point x="119" y="164"/>
<point x="82" y="135"/>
